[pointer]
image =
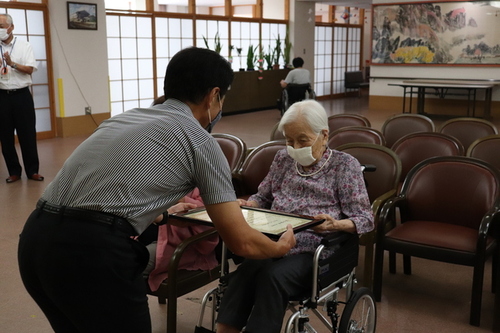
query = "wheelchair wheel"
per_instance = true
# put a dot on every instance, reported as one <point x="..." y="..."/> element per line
<point x="285" y="101"/>
<point x="359" y="315"/>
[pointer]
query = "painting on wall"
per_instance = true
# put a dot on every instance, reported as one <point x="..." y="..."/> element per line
<point x="82" y="16"/>
<point x="437" y="33"/>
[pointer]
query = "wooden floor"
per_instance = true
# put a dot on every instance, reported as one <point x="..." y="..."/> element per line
<point x="435" y="298"/>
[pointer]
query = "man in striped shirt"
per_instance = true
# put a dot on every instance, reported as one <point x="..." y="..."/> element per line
<point x="76" y="255"/>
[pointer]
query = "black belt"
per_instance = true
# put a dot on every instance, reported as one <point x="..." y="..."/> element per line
<point x="14" y="91"/>
<point x="87" y="215"/>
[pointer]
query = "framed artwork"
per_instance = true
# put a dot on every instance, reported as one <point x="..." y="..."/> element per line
<point x="462" y="33"/>
<point x="82" y="16"/>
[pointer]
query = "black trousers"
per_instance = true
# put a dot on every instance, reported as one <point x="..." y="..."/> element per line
<point x="258" y="292"/>
<point x="85" y="276"/>
<point x="17" y="113"/>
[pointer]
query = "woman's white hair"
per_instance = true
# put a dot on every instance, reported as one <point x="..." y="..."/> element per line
<point x="313" y="113"/>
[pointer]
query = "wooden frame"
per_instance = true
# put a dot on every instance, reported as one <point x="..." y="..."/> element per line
<point x="460" y="33"/>
<point x="82" y="16"/>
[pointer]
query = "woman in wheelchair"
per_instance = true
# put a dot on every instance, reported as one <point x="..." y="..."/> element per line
<point x="309" y="179"/>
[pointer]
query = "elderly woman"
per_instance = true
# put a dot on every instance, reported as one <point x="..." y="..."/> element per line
<point x="310" y="179"/>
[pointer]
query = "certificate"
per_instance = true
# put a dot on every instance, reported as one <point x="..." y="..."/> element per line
<point x="269" y="222"/>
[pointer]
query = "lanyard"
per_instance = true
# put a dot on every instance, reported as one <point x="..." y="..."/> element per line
<point x="4" y="62"/>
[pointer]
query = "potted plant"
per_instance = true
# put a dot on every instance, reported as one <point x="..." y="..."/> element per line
<point x="230" y="58"/>
<point x="251" y="57"/>
<point x="268" y="57"/>
<point x="239" y="49"/>
<point x="277" y="53"/>
<point x="217" y="44"/>
<point x="287" y="50"/>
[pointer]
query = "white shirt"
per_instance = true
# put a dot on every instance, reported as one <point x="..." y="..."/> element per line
<point x="298" y="76"/>
<point x="21" y="53"/>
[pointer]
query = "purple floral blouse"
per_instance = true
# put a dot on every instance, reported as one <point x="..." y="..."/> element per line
<point x="338" y="190"/>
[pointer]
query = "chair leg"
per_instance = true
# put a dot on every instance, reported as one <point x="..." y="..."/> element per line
<point x="494" y="269"/>
<point x="368" y="269"/>
<point x="407" y="264"/>
<point x="377" y="272"/>
<point x="477" y="293"/>
<point x="392" y="262"/>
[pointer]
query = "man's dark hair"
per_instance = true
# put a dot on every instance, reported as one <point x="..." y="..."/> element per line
<point x="193" y="72"/>
<point x="298" y="62"/>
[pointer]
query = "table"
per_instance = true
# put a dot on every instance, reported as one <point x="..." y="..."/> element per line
<point x="441" y="87"/>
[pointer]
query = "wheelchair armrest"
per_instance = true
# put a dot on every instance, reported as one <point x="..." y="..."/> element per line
<point x="337" y="239"/>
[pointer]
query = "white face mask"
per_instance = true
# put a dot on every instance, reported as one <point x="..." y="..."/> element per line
<point x="3" y="34"/>
<point x="303" y="155"/>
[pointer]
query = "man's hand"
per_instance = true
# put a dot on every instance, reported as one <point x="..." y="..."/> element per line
<point x="180" y="207"/>
<point x="288" y="238"/>
<point x="6" y="56"/>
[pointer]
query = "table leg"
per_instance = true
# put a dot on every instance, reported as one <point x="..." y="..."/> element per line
<point x="404" y="100"/>
<point x="468" y="102"/>
<point x="487" y="103"/>
<point x="420" y="100"/>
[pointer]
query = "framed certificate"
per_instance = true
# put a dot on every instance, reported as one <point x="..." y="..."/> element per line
<point x="269" y="222"/>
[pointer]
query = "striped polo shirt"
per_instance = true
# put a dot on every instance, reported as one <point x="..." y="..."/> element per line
<point x="139" y="163"/>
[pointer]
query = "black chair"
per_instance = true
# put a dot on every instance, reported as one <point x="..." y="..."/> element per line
<point x="354" y="80"/>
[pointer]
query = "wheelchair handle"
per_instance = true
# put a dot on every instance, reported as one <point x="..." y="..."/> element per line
<point x="368" y="168"/>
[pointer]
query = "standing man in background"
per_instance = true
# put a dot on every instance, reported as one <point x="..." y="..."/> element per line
<point x="17" y="109"/>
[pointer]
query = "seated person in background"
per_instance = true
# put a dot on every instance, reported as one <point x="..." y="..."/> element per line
<point x="197" y="256"/>
<point x="307" y="178"/>
<point x="298" y="75"/>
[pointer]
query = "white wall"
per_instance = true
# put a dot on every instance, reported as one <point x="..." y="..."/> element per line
<point x="302" y="32"/>
<point x="274" y="9"/>
<point x="81" y="62"/>
<point x="380" y="87"/>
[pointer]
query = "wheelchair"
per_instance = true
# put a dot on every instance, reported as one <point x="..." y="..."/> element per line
<point x="295" y="93"/>
<point x="330" y="275"/>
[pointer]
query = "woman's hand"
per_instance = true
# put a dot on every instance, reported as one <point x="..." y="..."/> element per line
<point x="332" y="224"/>
<point x="249" y="203"/>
